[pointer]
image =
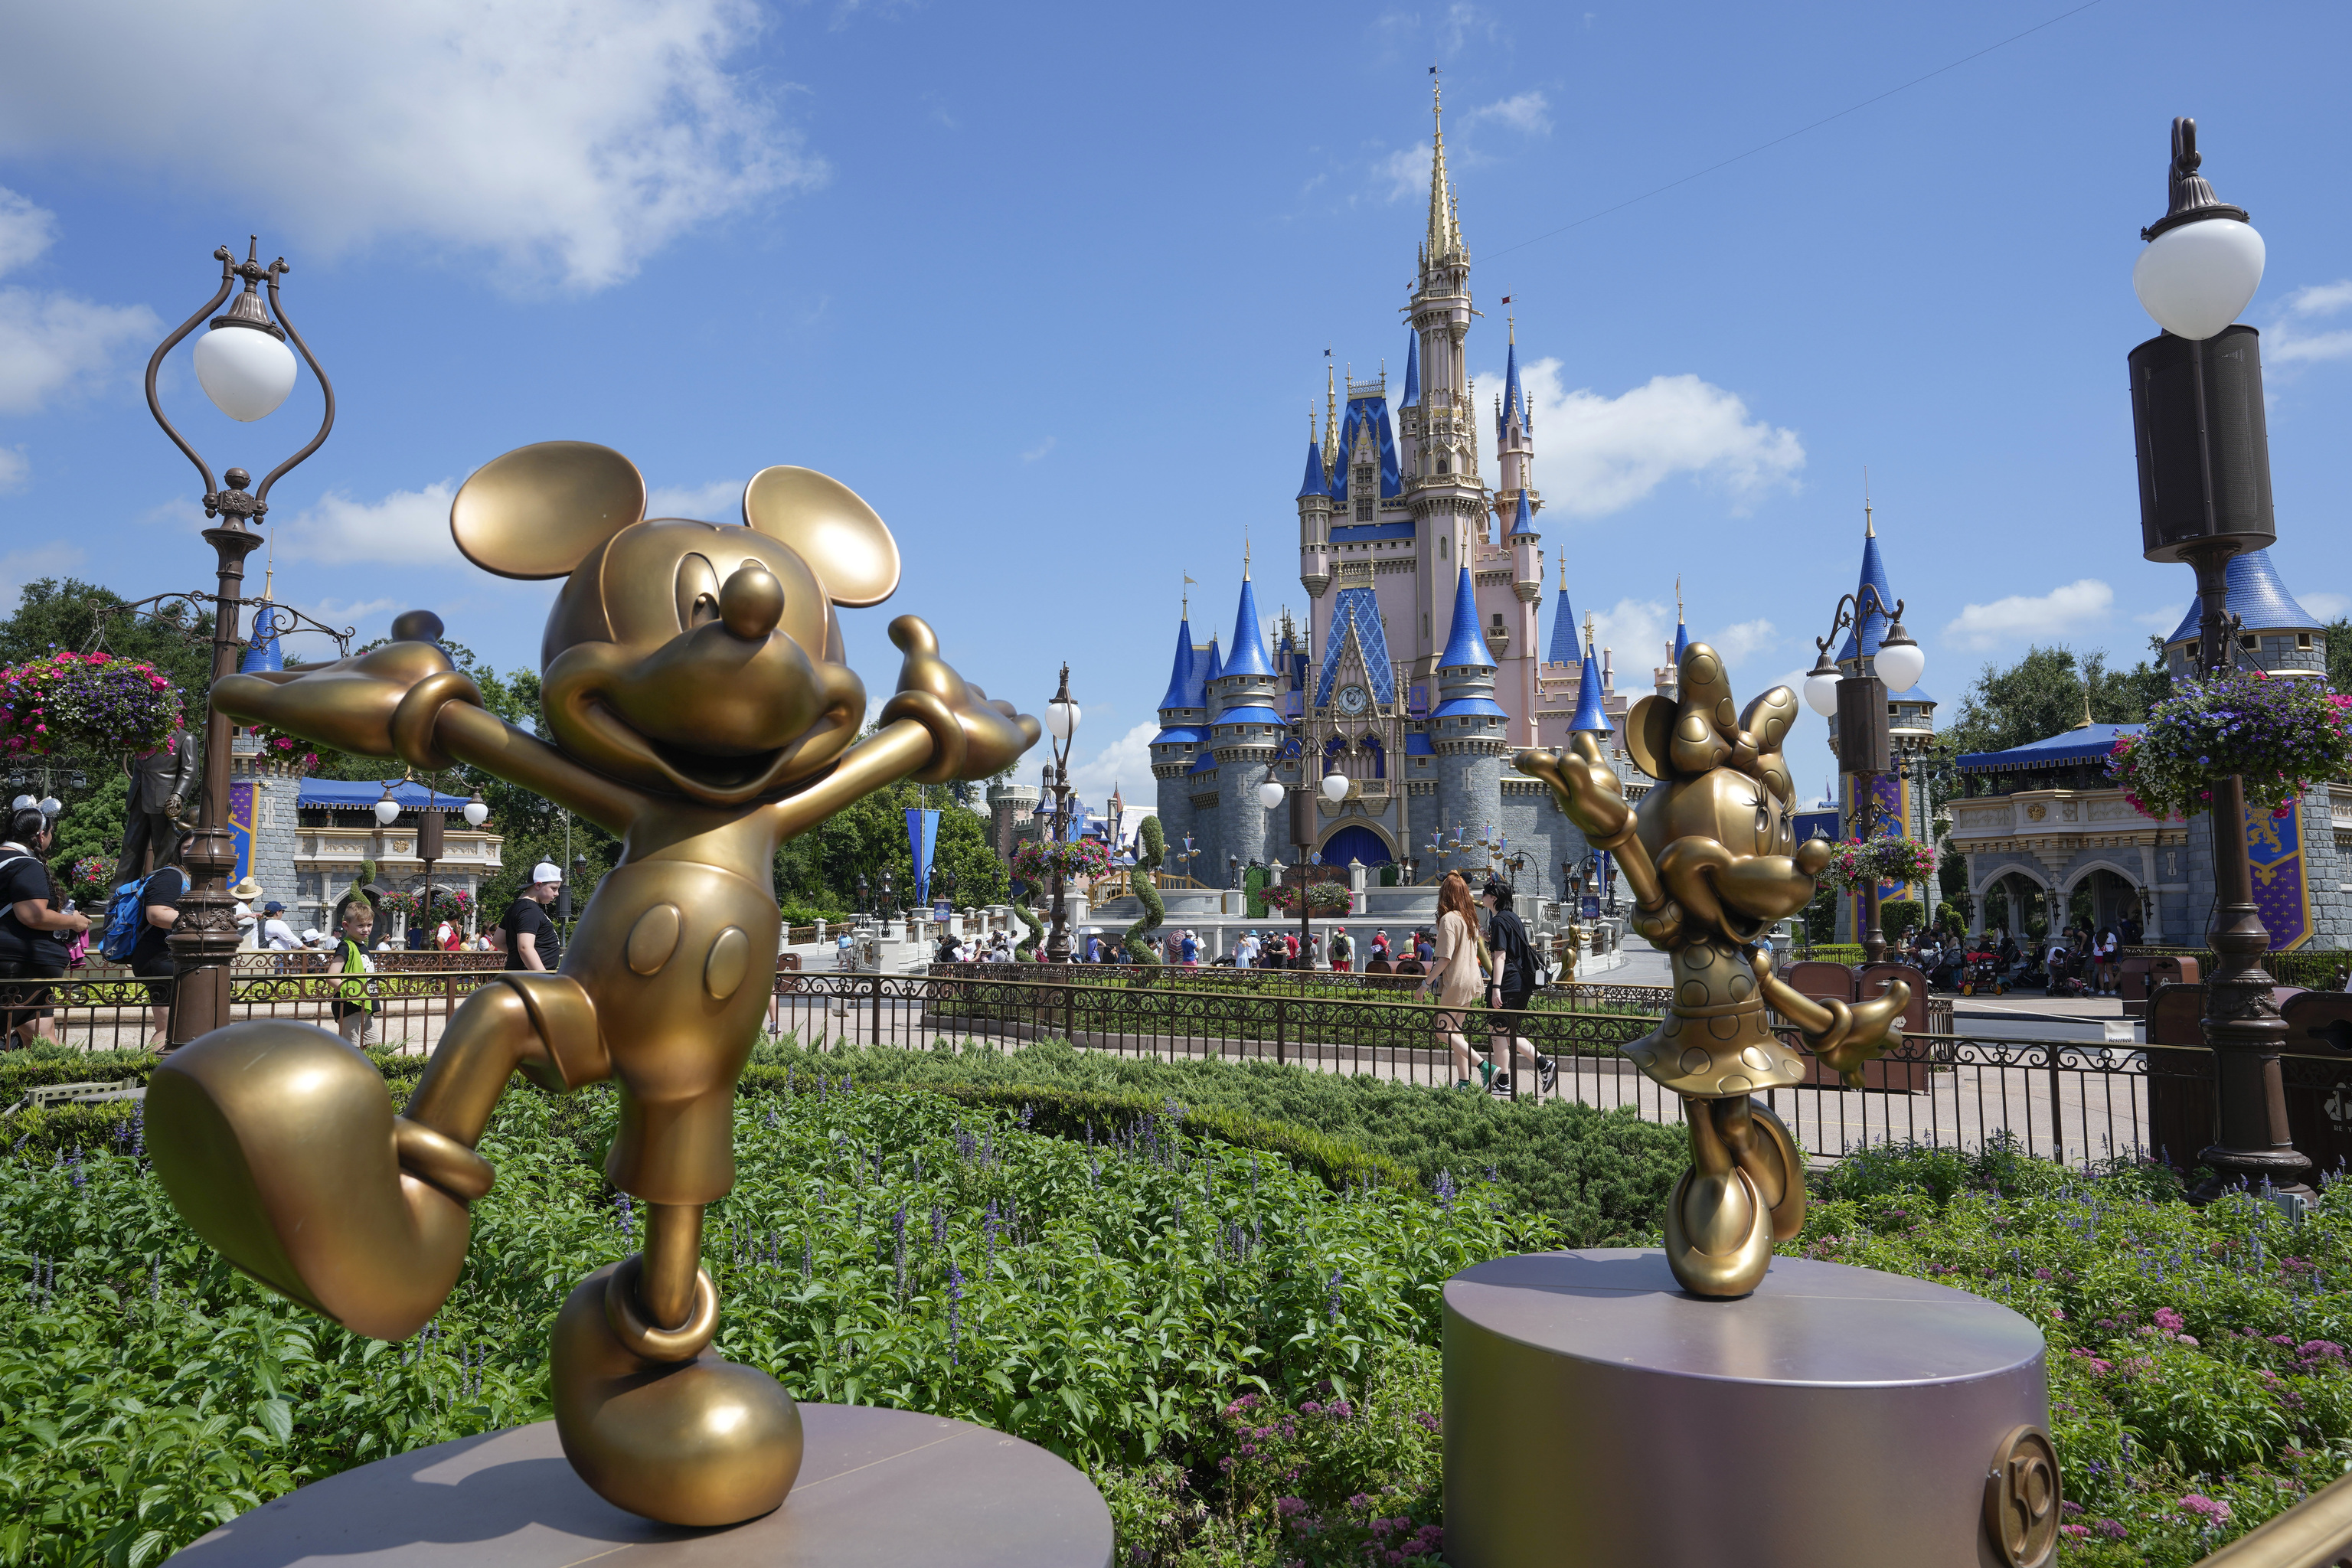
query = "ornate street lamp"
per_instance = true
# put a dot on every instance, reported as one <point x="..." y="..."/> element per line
<point x="244" y="368"/>
<point x="1858" y="703"/>
<point x="2204" y="497"/>
<point x="1061" y="724"/>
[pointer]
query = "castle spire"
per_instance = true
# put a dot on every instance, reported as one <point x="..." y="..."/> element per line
<point x="1248" y="656"/>
<point x="1411" y="372"/>
<point x="1180" y="674"/>
<point x="1563" y="648"/>
<point x="1682" y="632"/>
<point x="1591" y="718"/>
<point x="1444" y="237"/>
<point x="1464" y="645"/>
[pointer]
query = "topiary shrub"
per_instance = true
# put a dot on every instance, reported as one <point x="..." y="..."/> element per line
<point x="1150" y="846"/>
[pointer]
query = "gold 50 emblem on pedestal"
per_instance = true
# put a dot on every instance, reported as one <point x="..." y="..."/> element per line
<point x="2022" y="1498"/>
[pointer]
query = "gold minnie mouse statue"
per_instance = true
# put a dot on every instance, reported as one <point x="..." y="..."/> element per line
<point x="697" y="703"/>
<point x="1711" y="857"/>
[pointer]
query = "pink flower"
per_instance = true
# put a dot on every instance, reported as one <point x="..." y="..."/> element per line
<point x="2170" y="1322"/>
<point x="2204" y="1507"/>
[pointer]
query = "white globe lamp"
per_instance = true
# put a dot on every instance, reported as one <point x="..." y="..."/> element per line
<point x="387" y="810"/>
<point x="477" y="811"/>
<point x="1269" y="795"/>
<point x="2203" y="260"/>
<point x="1821" y="687"/>
<point x="1335" y="788"/>
<point x="1061" y="719"/>
<point x="1899" y="661"/>
<point x="244" y="368"/>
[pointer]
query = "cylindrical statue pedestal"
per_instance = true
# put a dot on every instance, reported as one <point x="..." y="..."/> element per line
<point x="877" y="1489"/>
<point x="1596" y="1414"/>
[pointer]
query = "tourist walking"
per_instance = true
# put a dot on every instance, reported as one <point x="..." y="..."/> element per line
<point x="532" y="939"/>
<point x="37" y="925"/>
<point x="1511" y="981"/>
<point x="1188" y="948"/>
<point x="1343" y="951"/>
<point x="150" y="956"/>
<point x="1461" y="968"/>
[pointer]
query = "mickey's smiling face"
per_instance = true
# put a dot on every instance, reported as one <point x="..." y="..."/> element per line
<point x="693" y="659"/>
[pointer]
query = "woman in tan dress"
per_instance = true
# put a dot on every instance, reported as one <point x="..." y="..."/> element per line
<point x="1460" y="974"/>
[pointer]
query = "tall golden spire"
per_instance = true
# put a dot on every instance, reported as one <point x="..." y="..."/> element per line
<point x="1869" y="529"/>
<point x="1330" y="414"/>
<point x="1246" y="553"/>
<point x="1444" y="225"/>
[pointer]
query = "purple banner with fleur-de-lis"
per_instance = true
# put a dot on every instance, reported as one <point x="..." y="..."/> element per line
<point x="2282" y="884"/>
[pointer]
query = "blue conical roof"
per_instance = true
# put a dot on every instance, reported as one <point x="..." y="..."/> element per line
<point x="1317" y="482"/>
<point x="1591" y="719"/>
<point x="1871" y="626"/>
<point x="1179" y="675"/>
<point x="1215" y="667"/>
<point x="1681" y="638"/>
<point x="1564" y="648"/>
<point x="1463" y="646"/>
<point x="1248" y="656"/>
<point x="1412" y="371"/>
<point x="261" y="651"/>
<point x="2258" y="597"/>
<point x="1513" y="399"/>
<point x="1524" y="519"/>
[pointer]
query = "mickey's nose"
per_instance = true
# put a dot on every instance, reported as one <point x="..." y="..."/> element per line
<point x="751" y="602"/>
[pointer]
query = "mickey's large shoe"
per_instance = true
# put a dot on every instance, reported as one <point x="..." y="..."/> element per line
<point x="278" y="1144"/>
<point x="654" y="1421"/>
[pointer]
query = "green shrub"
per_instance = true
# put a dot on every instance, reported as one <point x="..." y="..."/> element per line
<point x="1601" y="1176"/>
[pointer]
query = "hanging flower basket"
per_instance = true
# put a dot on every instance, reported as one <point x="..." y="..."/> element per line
<point x="2279" y="734"/>
<point x="448" y="904"/>
<point x="86" y="702"/>
<point x="290" y="752"/>
<point x="1322" y="898"/>
<point x="89" y="875"/>
<point x="1857" y="863"/>
<point x="1034" y="861"/>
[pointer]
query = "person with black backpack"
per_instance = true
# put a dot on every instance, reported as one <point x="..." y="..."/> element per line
<point x="1508" y="985"/>
<point x="36" y="924"/>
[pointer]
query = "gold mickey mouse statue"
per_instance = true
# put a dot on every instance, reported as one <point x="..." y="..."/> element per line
<point x="698" y="706"/>
<point x="1711" y="857"/>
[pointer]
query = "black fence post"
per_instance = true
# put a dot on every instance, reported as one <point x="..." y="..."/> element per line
<point x="1281" y="1029"/>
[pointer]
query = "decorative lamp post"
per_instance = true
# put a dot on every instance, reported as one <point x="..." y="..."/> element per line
<point x="2204" y="497"/>
<point x="1061" y="724"/>
<point x="244" y="368"/>
<point x="1858" y="703"/>
<point x="431" y="823"/>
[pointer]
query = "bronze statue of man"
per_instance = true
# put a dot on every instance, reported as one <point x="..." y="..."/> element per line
<point x="163" y="785"/>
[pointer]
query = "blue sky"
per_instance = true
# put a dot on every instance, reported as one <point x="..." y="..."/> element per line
<point x="1051" y="286"/>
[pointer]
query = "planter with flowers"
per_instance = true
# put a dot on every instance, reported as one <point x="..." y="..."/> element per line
<point x="292" y="752"/>
<point x="1033" y="862"/>
<point x="449" y="904"/>
<point x="84" y="702"/>
<point x="1322" y="898"/>
<point x="1857" y="863"/>
<point x="2279" y="734"/>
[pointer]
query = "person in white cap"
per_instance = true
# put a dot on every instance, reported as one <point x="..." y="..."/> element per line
<point x="532" y="939"/>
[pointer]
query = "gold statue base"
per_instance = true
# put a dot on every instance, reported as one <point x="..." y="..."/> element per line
<point x="877" y="1489"/>
<point x="1596" y="1416"/>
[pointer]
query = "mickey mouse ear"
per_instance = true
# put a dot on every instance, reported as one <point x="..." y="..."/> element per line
<point x="826" y="524"/>
<point x="539" y="510"/>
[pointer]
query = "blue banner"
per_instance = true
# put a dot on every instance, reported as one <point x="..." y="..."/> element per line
<point x="240" y="832"/>
<point x="923" y="838"/>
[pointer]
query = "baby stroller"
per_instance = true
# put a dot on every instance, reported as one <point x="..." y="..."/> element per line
<point x="2065" y="975"/>
<point x="1982" y="975"/>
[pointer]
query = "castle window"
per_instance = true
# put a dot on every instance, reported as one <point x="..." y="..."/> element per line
<point x="1363" y="511"/>
<point x="1442" y="544"/>
<point x="2303" y="641"/>
<point x="2250" y="642"/>
<point x="1441" y="465"/>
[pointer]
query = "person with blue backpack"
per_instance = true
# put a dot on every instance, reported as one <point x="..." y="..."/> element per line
<point x="139" y="921"/>
<point x="36" y="924"/>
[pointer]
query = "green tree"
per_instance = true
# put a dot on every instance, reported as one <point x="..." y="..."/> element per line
<point x="2048" y="693"/>
<point x="2338" y="633"/>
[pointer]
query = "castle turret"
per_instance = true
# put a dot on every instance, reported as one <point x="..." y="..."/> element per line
<point x="1247" y="733"/>
<point x="1467" y="728"/>
<point x="1183" y="727"/>
<point x="1315" y="520"/>
<point x="2274" y="633"/>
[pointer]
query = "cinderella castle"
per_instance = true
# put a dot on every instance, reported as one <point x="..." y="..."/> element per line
<point x="1419" y="668"/>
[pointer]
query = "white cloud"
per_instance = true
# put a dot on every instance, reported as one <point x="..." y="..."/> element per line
<point x="53" y="344"/>
<point x="1600" y="454"/>
<point x="406" y="528"/>
<point x="1528" y="112"/>
<point x="14" y="469"/>
<point x="1639" y="632"/>
<point x="2291" y="339"/>
<point x="1039" y="450"/>
<point x="1126" y="762"/>
<point x="2165" y="617"/>
<point x="1738" y="641"/>
<point x="2061" y="612"/>
<point x="568" y="139"/>
<point x="26" y="231"/>
<point x="2327" y="607"/>
<point x="720" y="501"/>
<point x="1406" y="172"/>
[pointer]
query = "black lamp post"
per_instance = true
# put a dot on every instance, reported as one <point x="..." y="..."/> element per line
<point x="2204" y="497"/>
<point x="1061" y="724"/>
<point x="243" y="364"/>
<point x="1858" y="701"/>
